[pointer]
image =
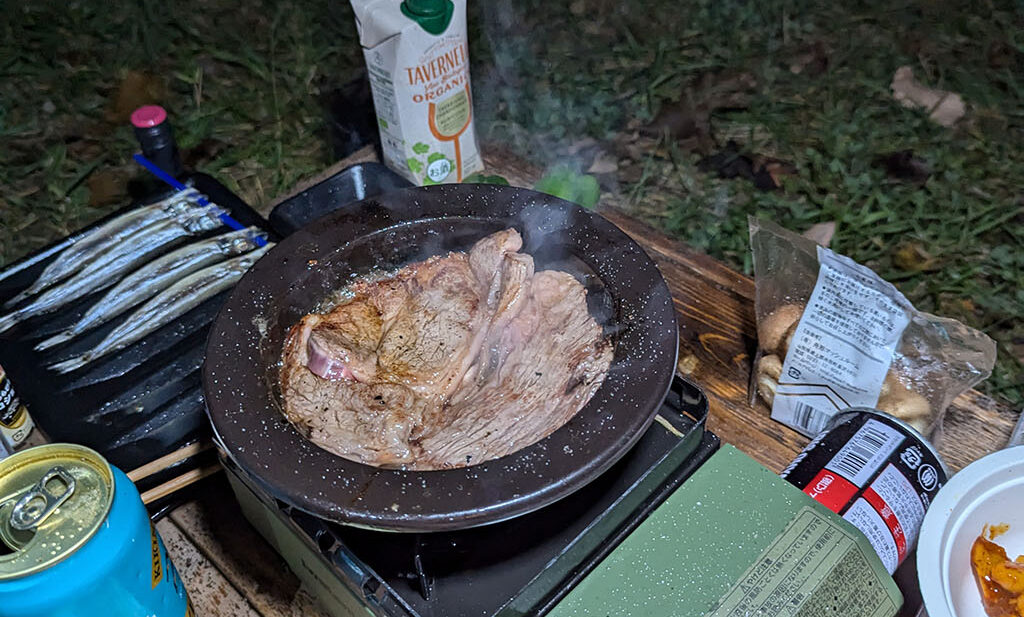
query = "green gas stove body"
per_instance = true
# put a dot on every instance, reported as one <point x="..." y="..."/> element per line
<point x="674" y="529"/>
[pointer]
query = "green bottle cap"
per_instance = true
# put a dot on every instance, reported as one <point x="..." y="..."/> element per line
<point x="432" y="15"/>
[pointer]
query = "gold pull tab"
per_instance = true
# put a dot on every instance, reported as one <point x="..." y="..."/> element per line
<point x="38" y="503"/>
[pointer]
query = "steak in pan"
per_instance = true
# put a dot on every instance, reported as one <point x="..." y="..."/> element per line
<point x="449" y="362"/>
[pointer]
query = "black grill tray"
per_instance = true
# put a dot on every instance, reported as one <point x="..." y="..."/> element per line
<point x="350" y="184"/>
<point x="134" y="405"/>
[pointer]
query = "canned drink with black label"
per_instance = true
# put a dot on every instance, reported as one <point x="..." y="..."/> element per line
<point x="876" y="472"/>
<point x="15" y="421"/>
<point x="76" y="541"/>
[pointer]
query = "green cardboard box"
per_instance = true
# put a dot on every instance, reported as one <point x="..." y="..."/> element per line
<point x="738" y="541"/>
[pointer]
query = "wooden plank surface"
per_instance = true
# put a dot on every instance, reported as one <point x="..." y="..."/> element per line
<point x="215" y="526"/>
<point x="210" y="591"/>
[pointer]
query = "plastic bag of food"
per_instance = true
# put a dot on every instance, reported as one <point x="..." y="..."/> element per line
<point x="832" y="334"/>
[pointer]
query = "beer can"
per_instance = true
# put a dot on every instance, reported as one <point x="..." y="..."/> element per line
<point x="76" y="541"/>
<point x="875" y="471"/>
<point x="15" y="421"/>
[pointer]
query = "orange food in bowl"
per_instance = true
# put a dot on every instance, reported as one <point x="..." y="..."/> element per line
<point x="1000" y="580"/>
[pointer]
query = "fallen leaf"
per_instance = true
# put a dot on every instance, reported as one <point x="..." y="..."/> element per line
<point x="135" y="90"/>
<point x="903" y="165"/>
<point x="913" y="257"/>
<point x="106" y="187"/>
<point x="944" y="107"/>
<point x="633" y="146"/>
<point x="821" y="233"/>
<point x="812" y="61"/>
<point x="603" y="164"/>
<point x="779" y="170"/>
<point x="84" y="149"/>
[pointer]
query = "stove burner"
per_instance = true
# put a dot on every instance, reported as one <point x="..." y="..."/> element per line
<point x="523" y="566"/>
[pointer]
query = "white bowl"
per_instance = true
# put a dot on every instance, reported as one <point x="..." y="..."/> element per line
<point x="989" y="491"/>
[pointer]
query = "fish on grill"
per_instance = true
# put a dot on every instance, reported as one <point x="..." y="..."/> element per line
<point x="449" y="362"/>
<point x="168" y="305"/>
<point x="106" y="239"/>
<point x="156" y="276"/>
<point x="108" y="268"/>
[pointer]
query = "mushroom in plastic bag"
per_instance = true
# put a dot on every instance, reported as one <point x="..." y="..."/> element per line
<point x="833" y="335"/>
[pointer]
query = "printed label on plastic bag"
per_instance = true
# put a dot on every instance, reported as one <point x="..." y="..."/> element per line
<point x="842" y="347"/>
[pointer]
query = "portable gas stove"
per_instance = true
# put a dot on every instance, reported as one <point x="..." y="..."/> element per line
<point x="523" y="566"/>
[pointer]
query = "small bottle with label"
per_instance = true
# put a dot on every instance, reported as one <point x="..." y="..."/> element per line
<point x="15" y="422"/>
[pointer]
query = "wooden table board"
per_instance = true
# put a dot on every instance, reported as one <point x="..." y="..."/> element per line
<point x="230" y="570"/>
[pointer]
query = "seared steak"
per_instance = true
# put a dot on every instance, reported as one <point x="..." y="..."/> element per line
<point x="450" y="362"/>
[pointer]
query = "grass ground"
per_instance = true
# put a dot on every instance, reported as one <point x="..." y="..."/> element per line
<point x="639" y="92"/>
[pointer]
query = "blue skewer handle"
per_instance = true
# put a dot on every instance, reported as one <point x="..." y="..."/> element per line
<point x="202" y="201"/>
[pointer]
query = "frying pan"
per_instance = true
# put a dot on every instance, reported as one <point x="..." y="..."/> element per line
<point x="626" y="295"/>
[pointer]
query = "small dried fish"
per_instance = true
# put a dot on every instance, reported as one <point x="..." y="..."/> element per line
<point x="168" y="305"/>
<point x="103" y="238"/>
<point x="156" y="276"/>
<point x="109" y="268"/>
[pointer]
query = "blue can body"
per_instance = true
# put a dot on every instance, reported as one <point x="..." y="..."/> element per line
<point x="123" y="570"/>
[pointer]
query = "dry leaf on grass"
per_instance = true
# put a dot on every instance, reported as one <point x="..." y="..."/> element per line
<point x="603" y="164"/>
<point x="944" y="107"/>
<point x="811" y="61"/>
<point x="913" y="257"/>
<point x="106" y="187"/>
<point x="135" y="90"/>
<point x="821" y="233"/>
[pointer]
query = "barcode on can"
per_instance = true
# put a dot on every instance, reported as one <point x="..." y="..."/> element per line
<point x="865" y="452"/>
<point x="809" y="418"/>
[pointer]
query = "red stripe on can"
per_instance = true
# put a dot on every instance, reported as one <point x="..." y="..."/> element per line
<point x="889" y="517"/>
<point x="831" y="490"/>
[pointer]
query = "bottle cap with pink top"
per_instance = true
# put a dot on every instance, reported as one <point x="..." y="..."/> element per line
<point x="148" y="116"/>
<point x="156" y="138"/>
